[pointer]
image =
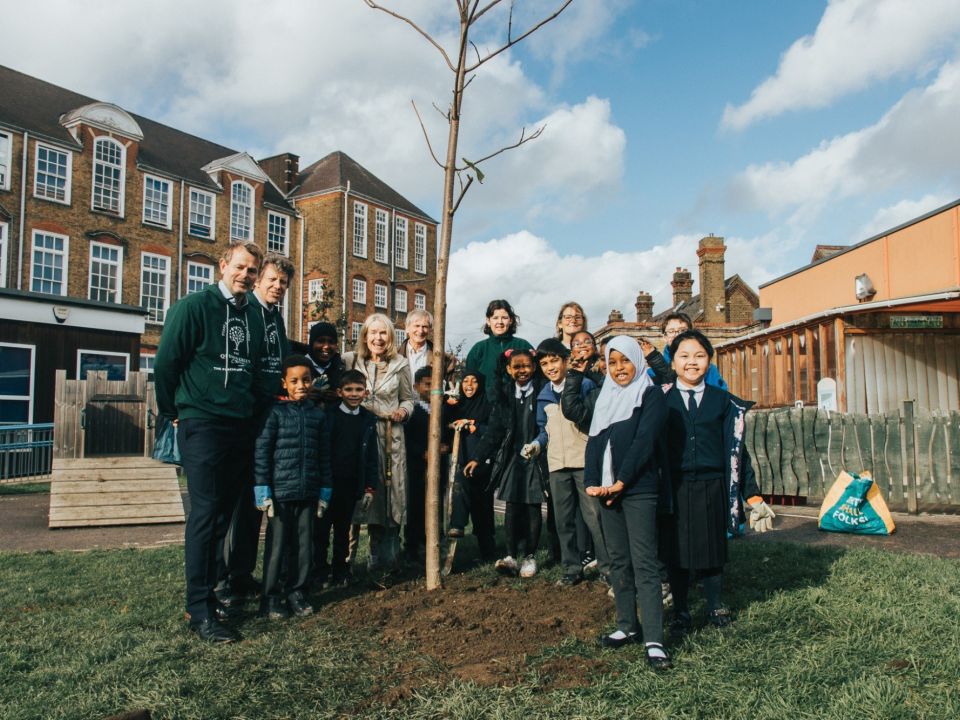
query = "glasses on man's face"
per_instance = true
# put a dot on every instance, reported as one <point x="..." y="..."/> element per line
<point x="582" y="343"/>
<point x="674" y="331"/>
<point x="578" y="318"/>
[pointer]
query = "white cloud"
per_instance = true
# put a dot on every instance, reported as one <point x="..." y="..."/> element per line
<point x="915" y="142"/>
<point x="537" y="279"/>
<point x="313" y="77"/>
<point x="857" y="43"/>
<point x="898" y="213"/>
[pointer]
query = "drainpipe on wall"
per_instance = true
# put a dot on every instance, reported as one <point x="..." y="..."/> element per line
<point x="391" y="258"/>
<point x="343" y="271"/>
<point x="300" y="280"/>
<point x="23" y="208"/>
<point x="180" y="247"/>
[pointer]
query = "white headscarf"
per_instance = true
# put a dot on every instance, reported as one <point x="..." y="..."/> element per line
<point x="615" y="403"/>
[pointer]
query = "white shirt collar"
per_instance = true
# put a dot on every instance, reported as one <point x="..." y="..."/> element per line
<point x="346" y="408"/>
<point x="521" y="391"/>
<point x="683" y="387"/>
<point x="558" y="388"/>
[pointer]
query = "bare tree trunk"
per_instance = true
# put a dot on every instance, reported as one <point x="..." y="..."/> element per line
<point x="439" y="327"/>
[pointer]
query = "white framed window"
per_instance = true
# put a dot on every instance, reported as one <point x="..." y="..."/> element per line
<point x="399" y="335"/>
<point x="360" y="229"/>
<point x="203" y="213"/>
<point x="51" y="177"/>
<point x="241" y="211"/>
<point x="360" y="291"/>
<point x="115" y="365"/>
<point x="4" y="251"/>
<point x="48" y="266"/>
<point x="379" y="295"/>
<point x="380" y="236"/>
<point x="420" y="248"/>
<point x="6" y="152"/>
<point x="315" y="290"/>
<point x="147" y="362"/>
<point x="420" y="300"/>
<point x="155" y="286"/>
<point x="108" y="175"/>
<point x="400" y="300"/>
<point x="156" y="201"/>
<point x="355" y="331"/>
<point x="16" y="387"/>
<point x="400" y="243"/>
<point x="199" y="275"/>
<point x="106" y="262"/>
<point x="278" y="233"/>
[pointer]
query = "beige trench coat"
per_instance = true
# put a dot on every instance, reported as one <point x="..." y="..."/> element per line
<point x="387" y="390"/>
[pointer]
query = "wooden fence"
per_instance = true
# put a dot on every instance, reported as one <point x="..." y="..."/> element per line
<point x="100" y="417"/>
<point x="915" y="458"/>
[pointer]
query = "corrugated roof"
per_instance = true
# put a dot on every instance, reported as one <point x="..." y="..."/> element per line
<point x="336" y="169"/>
<point x="36" y="106"/>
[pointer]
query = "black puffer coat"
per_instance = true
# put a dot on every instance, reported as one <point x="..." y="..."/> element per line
<point x="293" y="451"/>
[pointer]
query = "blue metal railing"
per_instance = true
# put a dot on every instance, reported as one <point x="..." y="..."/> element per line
<point x="26" y="452"/>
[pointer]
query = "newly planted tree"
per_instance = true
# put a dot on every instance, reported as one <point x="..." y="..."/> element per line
<point x="463" y="62"/>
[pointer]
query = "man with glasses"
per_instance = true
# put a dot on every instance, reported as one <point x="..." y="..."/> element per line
<point x="659" y="363"/>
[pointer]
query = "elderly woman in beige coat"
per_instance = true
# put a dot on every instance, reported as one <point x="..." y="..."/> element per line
<point x="390" y="397"/>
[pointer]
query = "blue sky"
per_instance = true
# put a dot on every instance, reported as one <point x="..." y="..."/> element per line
<point x="776" y="125"/>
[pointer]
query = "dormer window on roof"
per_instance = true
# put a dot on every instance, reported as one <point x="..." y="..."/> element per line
<point x="238" y="164"/>
<point x="103" y="116"/>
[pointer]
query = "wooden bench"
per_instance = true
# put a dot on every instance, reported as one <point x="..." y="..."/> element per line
<point x="114" y="491"/>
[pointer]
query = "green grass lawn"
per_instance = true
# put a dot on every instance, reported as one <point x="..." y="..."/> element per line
<point x="820" y="633"/>
<point x="24" y="488"/>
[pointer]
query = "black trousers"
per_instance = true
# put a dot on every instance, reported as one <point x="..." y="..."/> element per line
<point x="288" y="550"/>
<point x="242" y="540"/>
<point x="522" y="523"/>
<point x="337" y="518"/>
<point x="473" y="502"/>
<point x="414" y="533"/>
<point x="630" y="532"/>
<point x="217" y="456"/>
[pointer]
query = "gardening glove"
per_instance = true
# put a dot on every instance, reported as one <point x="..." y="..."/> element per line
<point x="263" y="499"/>
<point x="761" y="516"/>
<point x="367" y="500"/>
<point x="324" y="502"/>
<point x="530" y="450"/>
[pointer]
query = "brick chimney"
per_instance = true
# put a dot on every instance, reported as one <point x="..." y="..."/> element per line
<point x="682" y="285"/>
<point x="615" y="316"/>
<point x="712" y="294"/>
<point x="283" y="169"/>
<point x="644" y="307"/>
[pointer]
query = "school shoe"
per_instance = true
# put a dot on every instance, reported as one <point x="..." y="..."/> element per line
<point x="720" y="618"/>
<point x="274" y="609"/>
<point x="298" y="605"/>
<point x="680" y="626"/>
<point x="657" y="657"/>
<point x="506" y="565"/>
<point x="570" y="580"/>
<point x="455" y="532"/>
<point x="528" y="568"/>
<point x="213" y="631"/>
<point x="588" y="562"/>
<point x="618" y="638"/>
<point x="225" y="613"/>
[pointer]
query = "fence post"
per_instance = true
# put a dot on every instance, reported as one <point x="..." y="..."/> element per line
<point x="908" y="454"/>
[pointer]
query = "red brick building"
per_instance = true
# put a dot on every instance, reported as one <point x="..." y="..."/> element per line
<point x="104" y="205"/>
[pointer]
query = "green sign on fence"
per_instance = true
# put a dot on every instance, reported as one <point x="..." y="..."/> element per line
<point x="902" y="322"/>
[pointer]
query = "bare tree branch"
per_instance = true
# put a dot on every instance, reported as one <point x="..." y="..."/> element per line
<point x="463" y="191"/>
<point x="512" y="42"/>
<point x="477" y="15"/>
<point x="475" y="49"/>
<point x="444" y="114"/>
<point x="524" y="138"/>
<point x="469" y="80"/>
<point x="426" y="137"/>
<point x="411" y="23"/>
<point x="510" y="22"/>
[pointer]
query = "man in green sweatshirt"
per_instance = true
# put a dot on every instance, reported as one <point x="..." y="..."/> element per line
<point x="208" y="379"/>
<point x="235" y="579"/>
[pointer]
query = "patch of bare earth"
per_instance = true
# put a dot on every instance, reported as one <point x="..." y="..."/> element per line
<point x="488" y="630"/>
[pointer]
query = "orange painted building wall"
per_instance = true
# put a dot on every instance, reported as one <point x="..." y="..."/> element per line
<point x="923" y="257"/>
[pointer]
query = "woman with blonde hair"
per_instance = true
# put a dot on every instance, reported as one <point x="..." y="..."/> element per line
<point x="390" y="397"/>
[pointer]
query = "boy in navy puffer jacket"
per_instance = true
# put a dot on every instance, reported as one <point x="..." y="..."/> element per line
<point x="293" y="484"/>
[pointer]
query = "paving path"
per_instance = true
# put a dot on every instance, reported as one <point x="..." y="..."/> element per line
<point x="24" y="529"/>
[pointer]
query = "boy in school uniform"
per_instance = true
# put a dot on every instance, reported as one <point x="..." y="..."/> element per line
<point x="354" y="462"/>
<point x="565" y="447"/>
<point x="293" y="485"/>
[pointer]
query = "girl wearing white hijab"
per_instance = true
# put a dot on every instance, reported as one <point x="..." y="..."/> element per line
<point x="623" y="461"/>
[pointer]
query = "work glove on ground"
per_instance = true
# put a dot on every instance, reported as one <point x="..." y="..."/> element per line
<point x="761" y="515"/>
